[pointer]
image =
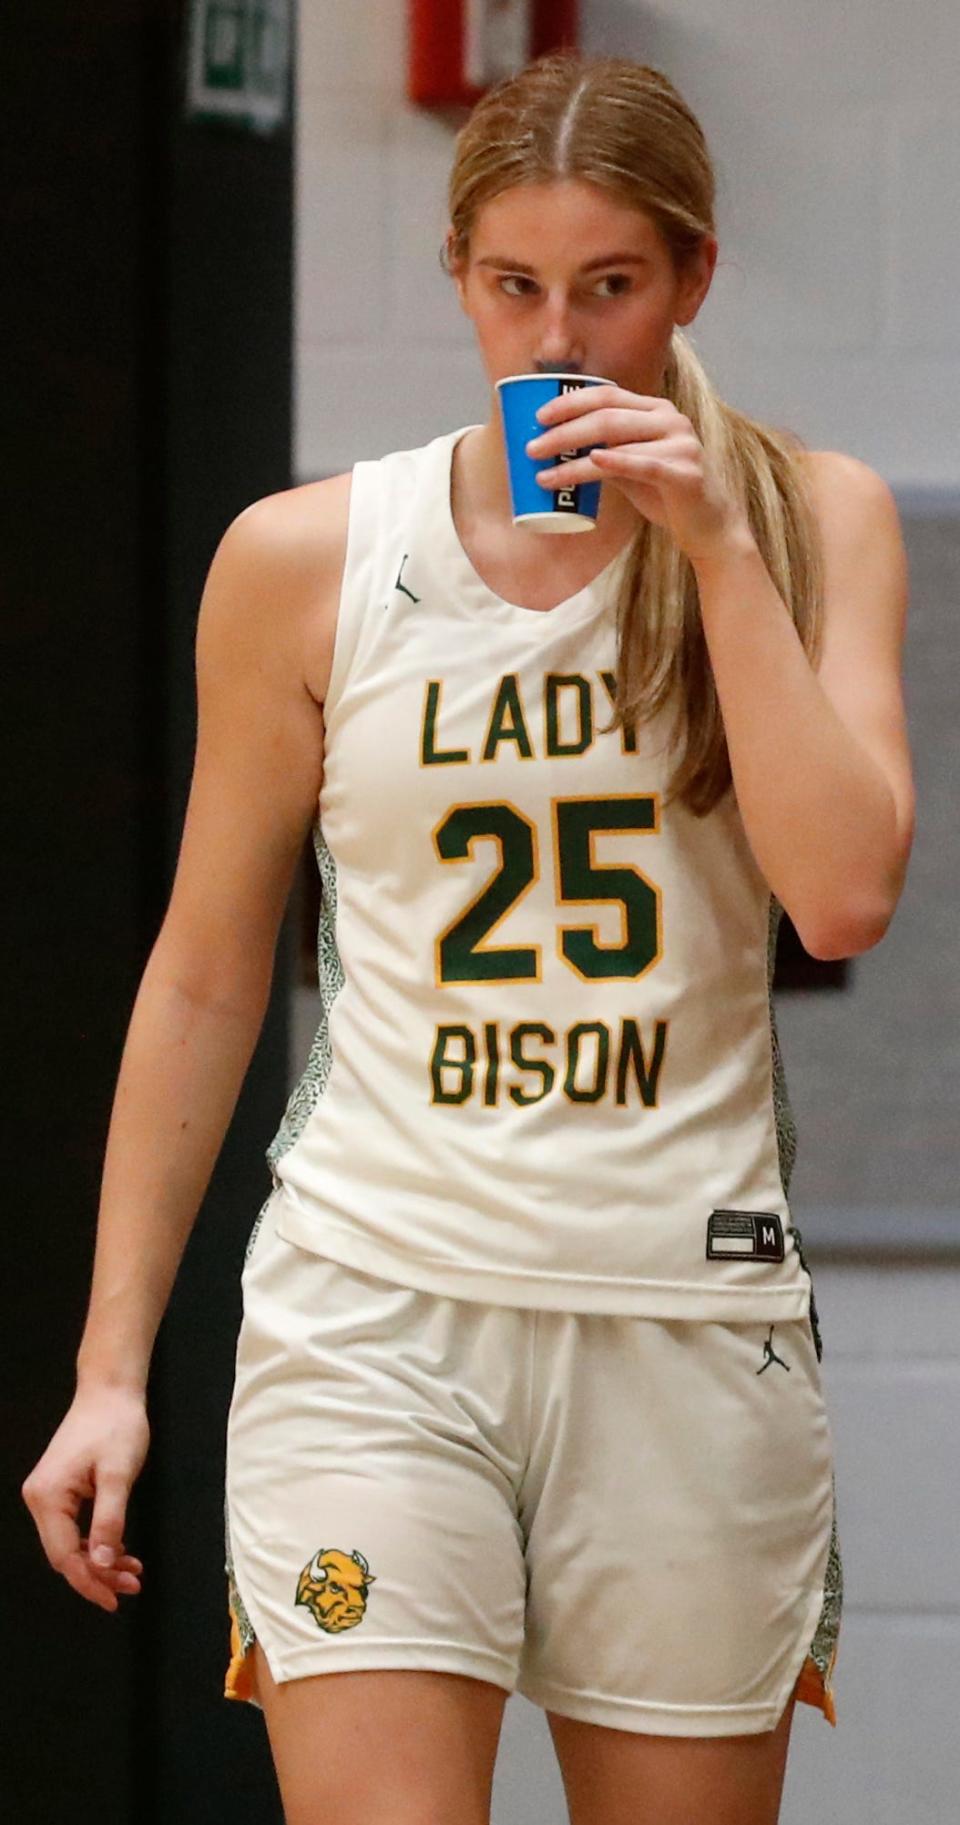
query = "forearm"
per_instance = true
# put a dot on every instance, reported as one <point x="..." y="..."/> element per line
<point x="183" y="1066"/>
<point x="817" y="810"/>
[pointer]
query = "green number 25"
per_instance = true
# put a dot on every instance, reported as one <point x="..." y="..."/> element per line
<point x="459" y="954"/>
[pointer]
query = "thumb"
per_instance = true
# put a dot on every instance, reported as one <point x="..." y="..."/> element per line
<point x="109" y="1513"/>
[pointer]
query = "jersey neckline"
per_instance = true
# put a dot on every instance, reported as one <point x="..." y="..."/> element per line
<point x="473" y="593"/>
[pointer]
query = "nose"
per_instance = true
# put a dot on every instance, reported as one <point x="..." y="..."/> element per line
<point x="560" y="345"/>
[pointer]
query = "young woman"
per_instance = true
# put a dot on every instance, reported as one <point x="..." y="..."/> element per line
<point x="527" y="1388"/>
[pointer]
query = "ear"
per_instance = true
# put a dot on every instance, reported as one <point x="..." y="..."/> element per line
<point x="454" y="270"/>
<point x="698" y="281"/>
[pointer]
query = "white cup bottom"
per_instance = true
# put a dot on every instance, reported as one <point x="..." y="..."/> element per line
<point x="555" y="522"/>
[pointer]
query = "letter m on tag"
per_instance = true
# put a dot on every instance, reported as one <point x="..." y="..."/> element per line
<point x="735" y="1234"/>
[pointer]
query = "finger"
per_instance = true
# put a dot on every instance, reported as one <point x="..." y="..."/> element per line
<point x="594" y="399"/>
<point x="125" y="1584"/>
<point x="123" y="1575"/>
<point x="79" y="1575"/>
<point x="636" y="461"/>
<point x="98" y="1586"/>
<point x="563" y="438"/>
<point x="109" y="1516"/>
<point x="610" y="428"/>
<point x="579" y="469"/>
<point x="54" y="1515"/>
<point x="124" y="1561"/>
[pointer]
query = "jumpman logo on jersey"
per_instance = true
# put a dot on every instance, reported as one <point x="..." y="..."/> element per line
<point x="402" y="586"/>
<point x="771" y="1355"/>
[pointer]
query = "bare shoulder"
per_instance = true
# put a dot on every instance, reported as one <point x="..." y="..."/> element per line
<point x="296" y="539"/>
<point x="862" y="539"/>
<point x="863" y="544"/>
<point x="841" y="481"/>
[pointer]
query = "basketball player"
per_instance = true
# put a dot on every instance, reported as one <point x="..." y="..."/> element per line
<point x="528" y="1390"/>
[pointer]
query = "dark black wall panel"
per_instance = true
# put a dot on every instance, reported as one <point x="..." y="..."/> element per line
<point x="147" y="364"/>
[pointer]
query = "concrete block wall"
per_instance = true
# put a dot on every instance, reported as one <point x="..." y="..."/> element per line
<point x="837" y="144"/>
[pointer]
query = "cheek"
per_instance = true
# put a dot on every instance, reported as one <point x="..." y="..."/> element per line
<point x="496" y="329"/>
<point x="651" y="319"/>
<point x="642" y="336"/>
<point x="483" y="317"/>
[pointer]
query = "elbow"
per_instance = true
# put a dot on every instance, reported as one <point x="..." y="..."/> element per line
<point x="833" y="940"/>
<point x="833" y="936"/>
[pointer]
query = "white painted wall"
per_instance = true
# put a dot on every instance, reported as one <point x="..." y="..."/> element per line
<point x="836" y="136"/>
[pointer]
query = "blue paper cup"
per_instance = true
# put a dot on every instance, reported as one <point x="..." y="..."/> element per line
<point x="572" y="509"/>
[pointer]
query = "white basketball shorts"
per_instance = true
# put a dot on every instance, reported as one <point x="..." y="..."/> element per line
<point x="627" y="1520"/>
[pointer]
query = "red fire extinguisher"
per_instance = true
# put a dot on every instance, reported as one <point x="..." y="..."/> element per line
<point x="459" y="48"/>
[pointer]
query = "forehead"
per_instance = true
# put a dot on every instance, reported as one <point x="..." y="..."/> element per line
<point x="562" y="216"/>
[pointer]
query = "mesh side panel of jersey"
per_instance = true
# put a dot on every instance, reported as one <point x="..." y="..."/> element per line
<point x="782" y="1112"/>
<point x="300" y="1102"/>
<point x="312" y="1081"/>
<point x="787" y="1128"/>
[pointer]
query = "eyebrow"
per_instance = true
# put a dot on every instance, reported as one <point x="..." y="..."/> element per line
<point x="607" y="259"/>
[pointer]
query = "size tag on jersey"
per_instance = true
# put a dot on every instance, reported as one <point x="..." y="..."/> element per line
<point x="756" y="1234"/>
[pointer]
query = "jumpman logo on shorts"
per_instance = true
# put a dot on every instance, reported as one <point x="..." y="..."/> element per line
<point x="771" y="1355"/>
<point x="402" y="586"/>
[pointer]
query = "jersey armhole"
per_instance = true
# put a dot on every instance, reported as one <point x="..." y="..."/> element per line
<point x="357" y="581"/>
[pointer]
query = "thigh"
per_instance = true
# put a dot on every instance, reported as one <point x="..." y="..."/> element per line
<point x="370" y="1517"/>
<point x="620" y="1777"/>
<point x="400" y="1747"/>
<point x="678" y="1518"/>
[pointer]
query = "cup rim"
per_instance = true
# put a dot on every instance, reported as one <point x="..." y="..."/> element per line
<point x="557" y="374"/>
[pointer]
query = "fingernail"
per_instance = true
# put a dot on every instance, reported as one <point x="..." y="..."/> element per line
<point x="103" y="1555"/>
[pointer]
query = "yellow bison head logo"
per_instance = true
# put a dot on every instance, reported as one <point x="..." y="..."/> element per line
<point x="333" y="1586"/>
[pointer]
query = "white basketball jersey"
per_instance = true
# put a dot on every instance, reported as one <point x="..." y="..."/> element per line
<point x="547" y="1072"/>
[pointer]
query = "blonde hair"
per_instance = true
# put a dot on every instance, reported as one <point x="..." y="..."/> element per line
<point x="623" y="126"/>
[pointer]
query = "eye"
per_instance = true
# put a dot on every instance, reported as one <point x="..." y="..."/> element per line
<point x="611" y="277"/>
<point x="619" y="279"/>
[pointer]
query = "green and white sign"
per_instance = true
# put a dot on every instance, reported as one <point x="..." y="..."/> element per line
<point x="238" y="62"/>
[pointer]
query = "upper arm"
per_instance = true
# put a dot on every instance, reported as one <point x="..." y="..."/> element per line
<point x="258" y="763"/>
<point x="866" y="591"/>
